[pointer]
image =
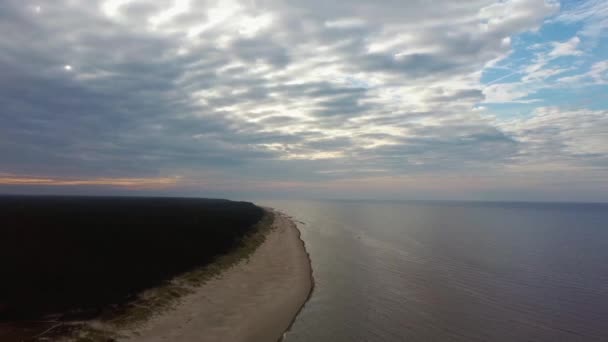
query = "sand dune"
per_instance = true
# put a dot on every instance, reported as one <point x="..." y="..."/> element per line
<point x="255" y="300"/>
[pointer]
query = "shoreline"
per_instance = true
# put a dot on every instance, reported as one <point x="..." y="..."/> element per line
<point x="89" y="268"/>
<point x="257" y="299"/>
<point x="312" y="278"/>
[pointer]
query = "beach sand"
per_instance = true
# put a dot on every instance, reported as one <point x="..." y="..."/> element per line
<point x="255" y="300"/>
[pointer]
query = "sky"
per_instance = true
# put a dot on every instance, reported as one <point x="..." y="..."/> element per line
<point x="392" y="99"/>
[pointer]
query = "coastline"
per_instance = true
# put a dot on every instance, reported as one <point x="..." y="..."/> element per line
<point x="254" y="300"/>
<point x="99" y="266"/>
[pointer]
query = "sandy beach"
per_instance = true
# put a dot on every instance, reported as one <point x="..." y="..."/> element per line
<point x="255" y="300"/>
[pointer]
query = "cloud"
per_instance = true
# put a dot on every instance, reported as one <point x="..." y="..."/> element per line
<point x="567" y="48"/>
<point x="260" y="91"/>
<point x="576" y="137"/>
<point x="137" y="183"/>
<point x="592" y="15"/>
<point x="544" y="71"/>
<point x="596" y="75"/>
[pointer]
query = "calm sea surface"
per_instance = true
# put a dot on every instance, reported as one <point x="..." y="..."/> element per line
<point x="450" y="271"/>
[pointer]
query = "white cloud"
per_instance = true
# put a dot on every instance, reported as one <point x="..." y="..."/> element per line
<point x="592" y="14"/>
<point x="504" y="92"/>
<point x="596" y="75"/>
<point x="537" y="74"/>
<point x="179" y="7"/>
<point x="567" y="48"/>
<point x="599" y="72"/>
<point x="516" y="15"/>
<point x="345" y="23"/>
<point x="111" y="8"/>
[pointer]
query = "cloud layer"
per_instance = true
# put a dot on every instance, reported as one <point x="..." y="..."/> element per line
<point x="223" y="96"/>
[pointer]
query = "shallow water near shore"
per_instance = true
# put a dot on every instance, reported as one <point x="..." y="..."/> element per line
<point x="453" y="271"/>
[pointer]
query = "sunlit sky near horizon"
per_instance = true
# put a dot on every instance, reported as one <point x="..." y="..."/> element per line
<point x="393" y="99"/>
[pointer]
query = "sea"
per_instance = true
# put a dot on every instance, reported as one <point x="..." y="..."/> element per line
<point x="453" y="271"/>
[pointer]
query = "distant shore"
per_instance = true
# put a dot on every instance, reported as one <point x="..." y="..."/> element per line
<point x="255" y="300"/>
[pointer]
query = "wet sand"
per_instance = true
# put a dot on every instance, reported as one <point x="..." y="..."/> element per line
<point x="255" y="300"/>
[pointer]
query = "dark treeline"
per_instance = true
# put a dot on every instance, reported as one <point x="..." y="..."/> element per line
<point x="58" y="254"/>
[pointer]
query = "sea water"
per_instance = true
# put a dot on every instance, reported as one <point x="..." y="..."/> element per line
<point x="453" y="271"/>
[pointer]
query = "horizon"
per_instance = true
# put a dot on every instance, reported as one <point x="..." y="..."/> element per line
<point x="297" y="199"/>
<point x="485" y="101"/>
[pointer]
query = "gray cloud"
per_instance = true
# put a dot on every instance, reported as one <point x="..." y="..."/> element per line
<point x="266" y="90"/>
